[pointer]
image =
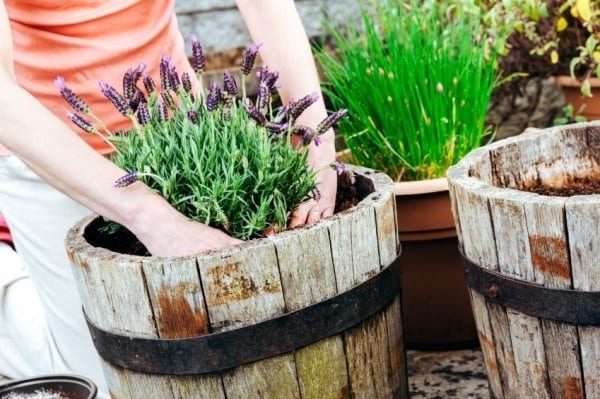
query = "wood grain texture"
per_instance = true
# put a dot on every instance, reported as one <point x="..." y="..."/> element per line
<point x="549" y="241"/>
<point x="476" y="237"/>
<point x="306" y="261"/>
<point x="254" y="281"/>
<point x="583" y="216"/>
<point x="550" y="260"/>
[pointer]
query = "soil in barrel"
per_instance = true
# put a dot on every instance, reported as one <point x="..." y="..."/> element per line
<point x="125" y="242"/>
<point x="575" y="186"/>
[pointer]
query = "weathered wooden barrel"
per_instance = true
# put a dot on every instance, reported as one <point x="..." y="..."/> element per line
<point x="533" y="261"/>
<point x="312" y="312"/>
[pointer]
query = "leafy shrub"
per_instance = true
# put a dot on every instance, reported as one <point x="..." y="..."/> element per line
<point x="217" y="156"/>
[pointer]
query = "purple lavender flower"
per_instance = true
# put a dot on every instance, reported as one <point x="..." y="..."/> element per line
<point x="138" y="98"/>
<point x="128" y="85"/>
<point x="174" y="80"/>
<point x="270" y="78"/>
<point x="81" y="122"/>
<point x="163" y="112"/>
<point x="115" y="97"/>
<point x="139" y="71"/>
<point x="149" y="84"/>
<point x="338" y="166"/>
<point x="186" y="82"/>
<point x="282" y="114"/>
<point x="70" y="97"/>
<point x="271" y="81"/>
<point x="168" y="100"/>
<point x="249" y="58"/>
<point x="127" y="179"/>
<point x="330" y="121"/>
<point x="130" y="80"/>
<point x="227" y="102"/>
<point x="264" y="96"/>
<point x="143" y="113"/>
<point x="307" y="133"/>
<point x="192" y="116"/>
<point x="198" y="63"/>
<point x="164" y="69"/>
<point x="298" y="107"/>
<point x="276" y="128"/>
<point x="213" y="98"/>
<point x="254" y="113"/>
<point x="229" y="84"/>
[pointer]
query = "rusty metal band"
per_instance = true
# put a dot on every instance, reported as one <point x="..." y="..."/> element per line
<point x="225" y="350"/>
<point x="568" y="306"/>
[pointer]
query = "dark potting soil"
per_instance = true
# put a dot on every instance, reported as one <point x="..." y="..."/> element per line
<point x="576" y="186"/>
<point x="125" y="242"/>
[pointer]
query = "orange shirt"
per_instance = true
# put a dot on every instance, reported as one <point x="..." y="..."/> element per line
<point x="87" y="41"/>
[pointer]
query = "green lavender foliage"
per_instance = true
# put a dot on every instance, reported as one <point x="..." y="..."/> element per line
<point x="217" y="157"/>
<point x="229" y="174"/>
<point x="417" y="81"/>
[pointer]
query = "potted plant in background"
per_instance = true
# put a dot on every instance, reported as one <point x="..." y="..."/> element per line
<point x="558" y="39"/>
<point x="202" y="326"/>
<point x="417" y="78"/>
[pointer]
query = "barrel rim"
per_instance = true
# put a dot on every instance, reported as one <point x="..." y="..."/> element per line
<point x="382" y="184"/>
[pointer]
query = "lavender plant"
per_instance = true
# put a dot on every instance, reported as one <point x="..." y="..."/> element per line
<point x="218" y="157"/>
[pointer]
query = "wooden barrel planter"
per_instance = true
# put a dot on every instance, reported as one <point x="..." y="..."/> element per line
<point x="312" y="312"/>
<point x="532" y="254"/>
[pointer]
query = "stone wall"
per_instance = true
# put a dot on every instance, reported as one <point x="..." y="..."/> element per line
<point x="220" y="27"/>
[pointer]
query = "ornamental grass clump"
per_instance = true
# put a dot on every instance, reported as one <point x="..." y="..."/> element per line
<point x="217" y="156"/>
<point x="417" y="79"/>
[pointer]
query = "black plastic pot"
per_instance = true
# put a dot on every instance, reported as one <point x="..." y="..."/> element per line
<point x="69" y="386"/>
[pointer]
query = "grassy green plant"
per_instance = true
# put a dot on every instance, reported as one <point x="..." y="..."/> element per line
<point x="216" y="156"/>
<point x="417" y="81"/>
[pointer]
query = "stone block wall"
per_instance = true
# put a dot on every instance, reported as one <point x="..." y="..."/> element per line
<point x="220" y="27"/>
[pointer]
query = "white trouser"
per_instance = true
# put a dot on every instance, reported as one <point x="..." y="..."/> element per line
<point x="42" y="329"/>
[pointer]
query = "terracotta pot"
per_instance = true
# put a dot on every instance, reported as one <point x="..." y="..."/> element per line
<point x="572" y="93"/>
<point x="437" y="310"/>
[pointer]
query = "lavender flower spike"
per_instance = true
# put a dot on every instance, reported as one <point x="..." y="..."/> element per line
<point x="298" y="107"/>
<point x="128" y="85"/>
<point x="149" y="84"/>
<point x="198" y="62"/>
<point x="331" y="120"/>
<point x="81" y="122"/>
<point x="186" y="82"/>
<point x="249" y="58"/>
<point x="213" y="98"/>
<point x="165" y="73"/>
<point x="229" y="84"/>
<point x="143" y="113"/>
<point x="70" y="97"/>
<point x="115" y="97"/>
<point x="254" y="112"/>
<point x="307" y="133"/>
<point x="127" y="179"/>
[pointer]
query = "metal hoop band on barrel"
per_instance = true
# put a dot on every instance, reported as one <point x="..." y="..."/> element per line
<point x="225" y="350"/>
<point x="568" y="306"/>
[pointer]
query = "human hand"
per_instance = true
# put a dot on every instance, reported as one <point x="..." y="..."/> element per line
<point x="166" y="232"/>
<point x="316" y="209"/>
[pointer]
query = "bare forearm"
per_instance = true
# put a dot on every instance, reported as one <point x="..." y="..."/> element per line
<point x="276" y="24"/>
<point x="62" y="159"/>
